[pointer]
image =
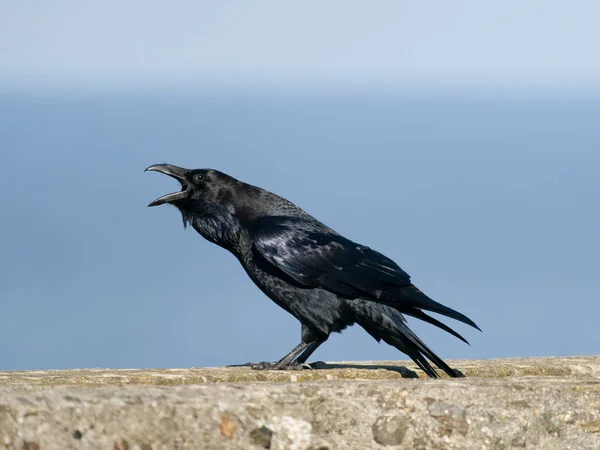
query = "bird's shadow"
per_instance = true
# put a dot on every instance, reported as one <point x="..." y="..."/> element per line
<point x="404" y="372"/>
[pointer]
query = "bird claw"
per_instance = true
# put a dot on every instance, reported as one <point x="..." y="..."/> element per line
<point x="264" y="365"/>
<point x="293" y="366"/>
<point x="316" y="365"/>
<point x="248" y="364"/>
<point x="274" y="366"/>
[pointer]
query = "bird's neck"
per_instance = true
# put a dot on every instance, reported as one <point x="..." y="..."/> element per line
<point x="223" y="230"/>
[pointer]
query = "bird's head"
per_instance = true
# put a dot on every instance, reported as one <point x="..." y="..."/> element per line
<point x="217" y="205"/>
<point x="203" y="191"/>
<point x="214" y="203"/>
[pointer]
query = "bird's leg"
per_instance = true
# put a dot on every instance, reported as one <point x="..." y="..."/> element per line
<point x="283" y="363"/>
<point x="301" y="360"/>
<point x="314" y="338"/>
<point x="311" y="340"/>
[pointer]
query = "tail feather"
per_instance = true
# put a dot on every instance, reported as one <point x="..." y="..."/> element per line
<point x="416" y="299"/>
<point x="423" y="350"/>
<point x="418" y="314"/>
<point x="387" y="324"/>
<point x="424" y="365"/>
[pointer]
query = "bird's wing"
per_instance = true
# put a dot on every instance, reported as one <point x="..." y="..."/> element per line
<point x="315" y="256"/>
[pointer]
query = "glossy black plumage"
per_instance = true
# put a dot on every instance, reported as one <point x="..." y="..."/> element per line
<point x="325" y="280"/>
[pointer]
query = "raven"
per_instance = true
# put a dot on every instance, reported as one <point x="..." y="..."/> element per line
<point x="323" y="279"/>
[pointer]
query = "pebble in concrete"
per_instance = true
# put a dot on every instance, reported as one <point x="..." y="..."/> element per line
<point x="390" y="430"/>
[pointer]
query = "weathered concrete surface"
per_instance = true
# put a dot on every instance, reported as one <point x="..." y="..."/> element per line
<point x="542" y="403"/>
<point x="369" y="370"/>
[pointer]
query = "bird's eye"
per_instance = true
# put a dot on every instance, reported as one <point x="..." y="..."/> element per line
<point x="199" y="177"/>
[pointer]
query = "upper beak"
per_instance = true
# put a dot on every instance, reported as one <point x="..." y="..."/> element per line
<point x="173" y="171"/>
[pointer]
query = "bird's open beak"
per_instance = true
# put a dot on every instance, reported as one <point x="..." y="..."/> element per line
<point x="173" y="171"/>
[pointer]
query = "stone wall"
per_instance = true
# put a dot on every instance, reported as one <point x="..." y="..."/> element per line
<point x="541" y="403"/>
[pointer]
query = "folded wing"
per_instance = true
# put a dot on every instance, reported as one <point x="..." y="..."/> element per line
<point x="316" y="256"/>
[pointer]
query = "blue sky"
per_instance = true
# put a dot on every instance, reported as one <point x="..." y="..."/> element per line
<point x="460" y="139"/>
<point x="532" y="43"/>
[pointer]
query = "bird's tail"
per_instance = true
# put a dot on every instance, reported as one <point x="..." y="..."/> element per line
<point x="386" y="323"/>
<point x="412" y="300"/>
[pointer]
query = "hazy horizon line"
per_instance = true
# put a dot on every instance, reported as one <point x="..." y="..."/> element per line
<point x="406" y="88"/>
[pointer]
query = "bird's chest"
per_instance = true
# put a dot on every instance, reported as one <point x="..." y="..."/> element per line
<point x="315" y="307"/>
<point x="275" y="285"/>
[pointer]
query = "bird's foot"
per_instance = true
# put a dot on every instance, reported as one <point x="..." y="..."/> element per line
<point x="248" y="364"/>
<point x="315" y="365"/>
<point x="264" y="365"/>
<point x="276" y="366"/>
<point x="292" y="366"/>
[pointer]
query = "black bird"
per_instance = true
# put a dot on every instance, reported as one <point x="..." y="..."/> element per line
<point x="323" y="279"/>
